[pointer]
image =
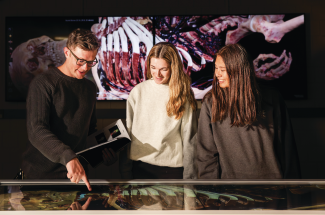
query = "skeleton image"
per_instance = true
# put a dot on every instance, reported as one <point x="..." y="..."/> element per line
<point x="126" y="42"/>
<point x="125" y="45"/>
<point x="274" y="28"/>
<point x="204" y="42"/>
<point x="167" y="197"/>
<point x="34" y="57"/>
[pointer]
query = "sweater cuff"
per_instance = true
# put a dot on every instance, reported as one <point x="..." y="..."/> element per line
<point x="67" y="156"/>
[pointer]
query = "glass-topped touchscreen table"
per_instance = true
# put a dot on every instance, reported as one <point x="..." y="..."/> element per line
<point x="163" y="196"/>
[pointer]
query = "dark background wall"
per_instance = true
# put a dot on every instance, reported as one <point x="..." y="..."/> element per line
<point x="307" y="115"/>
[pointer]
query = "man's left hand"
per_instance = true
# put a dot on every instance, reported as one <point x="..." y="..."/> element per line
<point x="76" y="172"/>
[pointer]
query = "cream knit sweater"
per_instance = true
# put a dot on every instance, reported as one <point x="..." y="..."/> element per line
<point x="156" y="138"/>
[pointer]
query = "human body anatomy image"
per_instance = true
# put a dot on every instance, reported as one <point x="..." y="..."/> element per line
<point x="157" y="197"/>
<point x="126" y="42"/>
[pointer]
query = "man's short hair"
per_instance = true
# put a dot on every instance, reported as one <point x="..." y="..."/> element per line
<point x="84" y="39"/>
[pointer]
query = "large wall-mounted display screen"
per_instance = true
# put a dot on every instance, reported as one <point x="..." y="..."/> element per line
<point x="276" y="43"/>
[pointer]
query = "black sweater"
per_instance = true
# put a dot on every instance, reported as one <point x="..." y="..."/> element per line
<point x="265" y="150"/>
<point x="60" y="114"/>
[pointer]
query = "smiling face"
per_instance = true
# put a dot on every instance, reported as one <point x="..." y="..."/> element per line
<point x="71" y="68"/>
<point x="160" y="70"/>
<point x="221" y="73"/>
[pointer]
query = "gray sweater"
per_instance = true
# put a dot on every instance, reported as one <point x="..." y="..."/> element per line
<point x="60" y="114"/>
<point x="265" y="150"/>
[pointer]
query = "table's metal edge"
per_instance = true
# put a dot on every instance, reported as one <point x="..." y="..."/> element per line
<point x="169" y="181"/>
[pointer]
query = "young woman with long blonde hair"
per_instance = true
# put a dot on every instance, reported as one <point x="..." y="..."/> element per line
<point x="161" y="121"/>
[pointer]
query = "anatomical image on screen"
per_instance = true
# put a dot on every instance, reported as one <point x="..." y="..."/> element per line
<point x="36" y="44"/>
<point x="125" y="45"/>
<point x="276" y="44"/>
<point x="161" y="197"/>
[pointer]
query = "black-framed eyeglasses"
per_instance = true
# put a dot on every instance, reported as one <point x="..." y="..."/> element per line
<point x="81" y="62"/>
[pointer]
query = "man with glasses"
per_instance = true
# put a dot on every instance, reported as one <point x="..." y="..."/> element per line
<point x="61" y="107"/>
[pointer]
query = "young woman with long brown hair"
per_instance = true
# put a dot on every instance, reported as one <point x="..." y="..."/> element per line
<point x="161" y="121"/>
<point x="244" y="131"/>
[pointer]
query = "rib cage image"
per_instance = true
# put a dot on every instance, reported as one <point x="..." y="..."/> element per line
<point x="126" y="41"/>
